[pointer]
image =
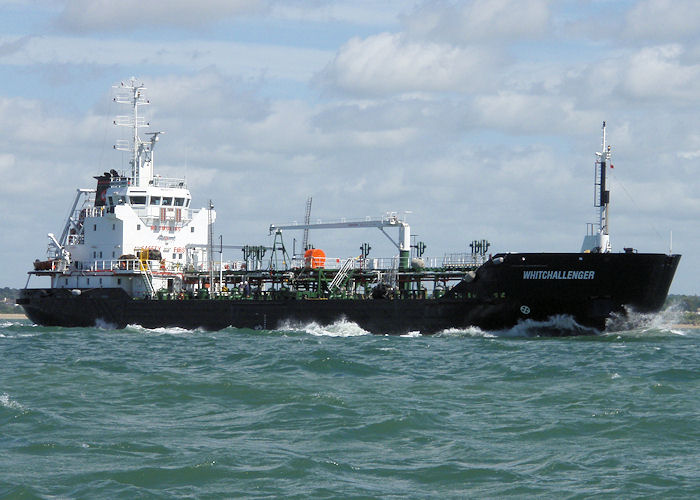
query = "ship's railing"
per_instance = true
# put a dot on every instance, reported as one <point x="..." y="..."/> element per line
<point x="163" y="265"/>
<point x="228" y="265"/>
<point x="53" y="264"/>
<point x="331" y="263"/>
<point x="456" y="260"/>
<point x="463" y="259"/>
<point x="334" y="263"/>
<point x="169" y="182"/>
<point x="121" y="265"/>
<point x="110" y="265"/>
<point x="92" y="212"/>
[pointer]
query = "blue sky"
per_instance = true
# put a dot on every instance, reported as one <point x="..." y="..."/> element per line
<point x="480" y="118"/>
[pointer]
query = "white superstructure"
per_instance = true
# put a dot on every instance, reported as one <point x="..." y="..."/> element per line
<point x="136" y="231"/>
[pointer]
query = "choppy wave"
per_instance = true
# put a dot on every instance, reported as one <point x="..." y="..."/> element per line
<point x="341" y="328"/>
<point x="633" y="320"/>
<point x="8" y="323"/>
<point x="556" y="326"/>
<point x="165" y="330"/>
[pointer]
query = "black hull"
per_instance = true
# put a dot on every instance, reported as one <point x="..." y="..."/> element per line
<point x="508" y="289"/>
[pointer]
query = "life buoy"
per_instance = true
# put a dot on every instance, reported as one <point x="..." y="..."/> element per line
<point x="162" y="265"/>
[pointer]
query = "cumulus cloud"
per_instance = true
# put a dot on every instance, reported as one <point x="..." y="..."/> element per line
<point x="533" y="114"/>
<point x="663" y="20"/>
<point x="358" y="12"/>
<point x="84" y="16"/>
<point x="659" y="72"/>
<point x="494" y="20"/>
<point x="249" y="60"/>
<point x="390" y="63"/>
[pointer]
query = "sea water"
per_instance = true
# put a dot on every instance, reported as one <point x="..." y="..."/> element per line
<point x="334" y="412"/>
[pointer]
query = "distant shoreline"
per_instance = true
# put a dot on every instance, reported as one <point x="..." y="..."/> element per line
<point x="12" y="316"/>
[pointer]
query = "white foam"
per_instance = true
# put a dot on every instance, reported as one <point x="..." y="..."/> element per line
<point x="104" y="325"/>
<point x="413" y="334"/>
<point x="471" y="331"/>
<point x="8" y="402"/>
<point x="560" y="325"/>
<point x="172" y="330"/>
<point x="632" y="320"/>
<point x="341" y="328"/>
<point x="8" y="323"/>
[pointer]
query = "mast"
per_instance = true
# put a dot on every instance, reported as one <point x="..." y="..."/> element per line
<point x="603" y="194"/>
<point x="133" y="94"/>
<point x="210" y="250"/>
<point x="599" y="241"/>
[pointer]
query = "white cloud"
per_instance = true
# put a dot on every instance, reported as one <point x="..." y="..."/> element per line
<point x="658" y="72"/>
<point x="534" y="114"/>
<point x="127" y="15"/>
<point x="358" y="12"/>
<point x="494" y="20"/>
<point x="663" y="20"/>
<point x="389" y="63"/>
<point x="246" y="59"/>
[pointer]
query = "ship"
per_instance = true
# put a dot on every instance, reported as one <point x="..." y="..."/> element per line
<point x="135" y="251"/>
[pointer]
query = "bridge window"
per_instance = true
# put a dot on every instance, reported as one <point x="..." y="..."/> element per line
<point x="138" y="200"/>
<point x="179" y="202"/>
<point x="167" y="200"/>
<point x="155" y="200"/>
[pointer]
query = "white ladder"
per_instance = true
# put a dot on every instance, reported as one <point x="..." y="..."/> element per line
<point x="147" y="277"/>
<point x="341" y="274"/>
